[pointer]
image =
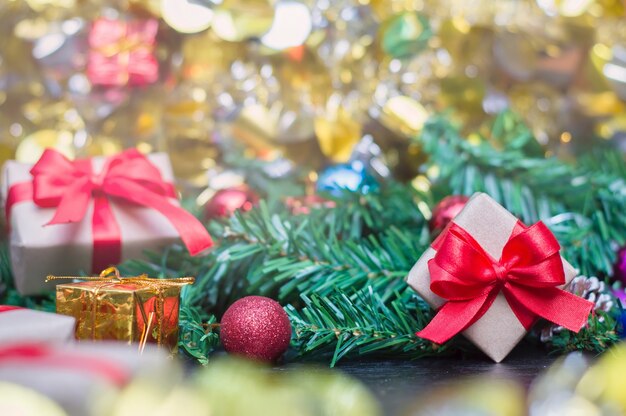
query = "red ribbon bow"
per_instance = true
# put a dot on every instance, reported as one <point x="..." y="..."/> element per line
<point x="71" y="185"/>
<point x="528" y="273"/>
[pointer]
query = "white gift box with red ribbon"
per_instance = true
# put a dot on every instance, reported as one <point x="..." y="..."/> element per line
<point x="27" y="325"/>
<point x="68" y="217"/>
<point x="83" y="378"/>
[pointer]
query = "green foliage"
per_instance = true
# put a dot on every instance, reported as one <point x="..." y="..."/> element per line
<point x="340" y="271"/>
<point x="342" y="326"/>
<point x="282" y="256"/>
<point x="197" y="337"/>
<point x="599" y="334"/>
<point x="366" y="242"/>
<point x="583" y="204"/>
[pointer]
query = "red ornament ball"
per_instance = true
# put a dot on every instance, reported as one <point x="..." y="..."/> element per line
<point x="446" y="210"/>
<point x="226" y="201"/>
<point x="619" y="268"/>
<point x="256" y="327"/>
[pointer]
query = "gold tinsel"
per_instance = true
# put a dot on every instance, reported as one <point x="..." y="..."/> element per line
<point x="280" y="76"/>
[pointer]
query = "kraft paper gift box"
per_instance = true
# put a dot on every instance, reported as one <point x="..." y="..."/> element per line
<point x="498" y="331"/>
<point x="27" y="325"/>
<point x="83" y="377"/>
<point x="38" y="250"/>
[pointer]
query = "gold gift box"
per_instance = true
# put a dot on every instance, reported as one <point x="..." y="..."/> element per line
<point x="133" y="309"/>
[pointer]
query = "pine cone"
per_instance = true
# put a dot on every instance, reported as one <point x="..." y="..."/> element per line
<point x="593" y="290"/>
<point x="590" y="288"/>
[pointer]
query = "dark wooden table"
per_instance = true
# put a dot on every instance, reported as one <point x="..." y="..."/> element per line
<point x="397" y="383"/>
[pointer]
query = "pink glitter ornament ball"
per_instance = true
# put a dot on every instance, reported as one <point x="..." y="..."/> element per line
<point x="256" y="327"/>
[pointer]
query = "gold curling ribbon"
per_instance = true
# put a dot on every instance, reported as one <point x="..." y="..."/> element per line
<point x="124" y="46"/>
<point x="111" y="276"/>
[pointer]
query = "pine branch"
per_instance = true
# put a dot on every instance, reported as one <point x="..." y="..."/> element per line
<point x="598" y="335"/>
<point x="351" y="247"/>
<point x="604" y="161"/>
<point x="341" y="270"/>
<point x="369" y="242"/>
<point x="362" y="324"/>
<point x="197" y="337"/>
<point x="282" y="256"/>
<point x="582" y="205"/>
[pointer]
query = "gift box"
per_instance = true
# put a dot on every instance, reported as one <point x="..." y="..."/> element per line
<point x="122" y="52"/>
<point x="26" y="325"/>
<point x="490" y="277"/>
<point x="67" y="217"/>
<point x="79" y="376"/>
<point x="132" y="309"/>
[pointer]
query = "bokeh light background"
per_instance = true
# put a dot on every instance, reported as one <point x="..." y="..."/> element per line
<point x="307" y="80"/>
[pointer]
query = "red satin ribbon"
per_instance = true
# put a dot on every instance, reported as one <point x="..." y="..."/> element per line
<point x="528" y="273"/>
<point x="70" y="186"/>
<point x="40" y="356"/>
<point x="6" y="308"/>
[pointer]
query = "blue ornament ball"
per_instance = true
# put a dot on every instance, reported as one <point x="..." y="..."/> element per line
<point x="346" y="177"/>
<point x="621" y="327"/>
<point x="620" y="295"/>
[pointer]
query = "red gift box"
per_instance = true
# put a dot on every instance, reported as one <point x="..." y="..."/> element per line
<point x="122" y="52"/>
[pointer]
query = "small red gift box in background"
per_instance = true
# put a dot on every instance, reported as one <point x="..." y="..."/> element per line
<point x="122" y="52"/>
